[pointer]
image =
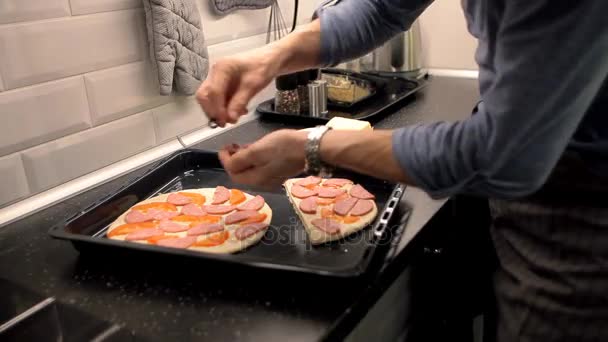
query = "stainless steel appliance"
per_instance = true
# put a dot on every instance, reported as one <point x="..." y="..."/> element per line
<point x="400" y="56"/>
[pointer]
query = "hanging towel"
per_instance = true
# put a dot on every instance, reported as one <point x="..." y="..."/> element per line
<point x="177" y="45"/>
<point x="224" y="7"/>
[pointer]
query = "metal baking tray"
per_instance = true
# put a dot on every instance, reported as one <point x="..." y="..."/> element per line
<point x="389" y="90"/>
<point x="285" y="245"/>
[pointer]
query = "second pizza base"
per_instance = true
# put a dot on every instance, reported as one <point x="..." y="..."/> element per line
<point x="318" y="236"/>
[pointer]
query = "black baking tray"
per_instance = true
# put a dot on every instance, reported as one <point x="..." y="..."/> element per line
<point x="285" y="245"/>
<point x="389" y="90"/>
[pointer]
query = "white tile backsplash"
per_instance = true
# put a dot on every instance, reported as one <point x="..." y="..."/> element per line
<point x="20" y="10"/>
<point x="14" y="183"/>
<point x="176" y="118"/>
<point x="94" y="6"/>
<point x="41" y="51"/>
<point x="41" y="113"/>
<point x="77" y="92"/>
<point x="64" y="159"/>
<point x="117" y="92"/>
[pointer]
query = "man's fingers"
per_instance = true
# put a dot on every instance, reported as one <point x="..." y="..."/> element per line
<point x="212" y="96"/>
<point x="238" y="103"/>
<point x="236" y="162"/>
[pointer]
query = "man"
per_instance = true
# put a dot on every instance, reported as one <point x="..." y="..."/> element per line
<point x="537" y="145"/>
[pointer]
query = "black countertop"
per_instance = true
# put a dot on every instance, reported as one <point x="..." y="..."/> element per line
<point x="185" y="302"/>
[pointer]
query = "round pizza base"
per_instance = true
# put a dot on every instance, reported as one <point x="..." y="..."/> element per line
<point x="231" y="245"/>
<point x="318" y="236"/>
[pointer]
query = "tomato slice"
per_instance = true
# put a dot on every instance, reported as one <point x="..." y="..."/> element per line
<point x="350" y="219"/>
<point x="131" y="227"/>
<point x="254" y="219"/>
<point x="311" y="186"/>
<point x="324" y="201"/>
<point x="194" y="197"/>
<point x="153" y="240"/>
<point x="155" y="205"/>
<point x="327" y="212"/>
<point x="341" y="197"/>
<point x="237" y="196"/>
<point x="196" y="219"/>
<point x="213" y="240"/>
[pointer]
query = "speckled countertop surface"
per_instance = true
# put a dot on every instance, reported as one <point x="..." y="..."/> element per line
<point x="161" y="300"/>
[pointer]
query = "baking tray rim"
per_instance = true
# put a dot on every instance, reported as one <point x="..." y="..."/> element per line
<point x="57" y="231"/>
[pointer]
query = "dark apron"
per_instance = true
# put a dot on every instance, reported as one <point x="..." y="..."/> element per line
<point x="552" y="247"/>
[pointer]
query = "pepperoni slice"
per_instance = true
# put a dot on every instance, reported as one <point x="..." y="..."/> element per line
<point x="337" y="182"/>
<point x="213" y="240"/>
<point x="136" y="216"/>
<point x="240" y="216"/>
<point x="344" y="206"/>
<point x="359" y="192"/>
<point x="184" y="242"/>
<point x="194" y="197"/>
<point x="155" y="205"/>
<point x="220" y="195"/>
<point x="178" y="199"/>
<point x="330" y="192"/>
<point x="302" y="192"/>
<point x="362" y="207"/>
<point x="237" y="197"/>
<point x="131" y="227"/>
<point x="255" y="203"/>
<point x="246" y="231"/>
<point x="162" y="214"/>
<point x="193" y="210"/>
<point x="254" y="219"/>
<point x="309" y="205"/>
<point x="205" y="228"/>
<point x="171" y="227"/>
<point x="327" y="225"/>
<point x="310" y="180"/>
<point x="144" y="234"/>
<point x="219" y="209"/>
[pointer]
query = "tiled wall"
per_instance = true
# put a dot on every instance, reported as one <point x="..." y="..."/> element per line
<point x="77" y="92"/>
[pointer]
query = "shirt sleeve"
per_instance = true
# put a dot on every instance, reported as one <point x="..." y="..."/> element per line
<point x="352" y="28"/>
<point x="549" y="63"/>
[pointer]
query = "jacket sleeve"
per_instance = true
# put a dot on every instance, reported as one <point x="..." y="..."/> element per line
<point x="351" y="28"/>
<point x="549" y="63"/>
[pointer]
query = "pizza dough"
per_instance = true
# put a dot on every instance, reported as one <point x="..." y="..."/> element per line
<point x="318" y="212"/>
<point x="177" y="238"/>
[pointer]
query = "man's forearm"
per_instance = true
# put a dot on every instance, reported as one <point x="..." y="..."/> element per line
<point x="299" y="50"/>
<point x="367" y="152"/>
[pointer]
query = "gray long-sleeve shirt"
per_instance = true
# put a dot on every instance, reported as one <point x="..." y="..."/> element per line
<point x="543" y="75"/>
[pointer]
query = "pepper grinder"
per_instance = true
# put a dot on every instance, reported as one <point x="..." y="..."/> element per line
<point x="317" y="93"/>
<point x="286" y="99"/>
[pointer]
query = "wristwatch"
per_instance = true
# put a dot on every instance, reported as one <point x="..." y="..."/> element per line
<point x="314" y="165"/>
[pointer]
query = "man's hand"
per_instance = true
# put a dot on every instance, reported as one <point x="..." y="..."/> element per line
<point x="233" y="82"/>
<point x="269" y="161"/>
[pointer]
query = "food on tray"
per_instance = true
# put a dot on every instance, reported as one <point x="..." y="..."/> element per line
<point x="342" y="88"/>
<point x="341" y="123"/>
<point x="214" y="220"/>
<point x="332" y="208"/>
